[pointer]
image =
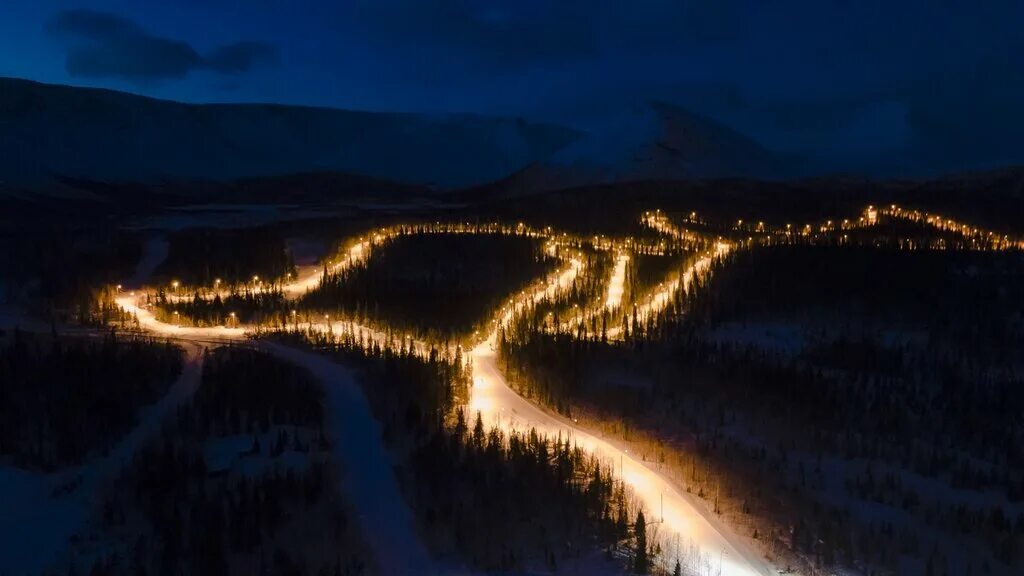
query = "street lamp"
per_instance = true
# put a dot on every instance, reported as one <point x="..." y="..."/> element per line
<point x="663" y="505"/>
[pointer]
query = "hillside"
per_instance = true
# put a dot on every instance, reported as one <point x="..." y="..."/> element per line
<point x="656" y="142"/>
<point x="51" y="131"/>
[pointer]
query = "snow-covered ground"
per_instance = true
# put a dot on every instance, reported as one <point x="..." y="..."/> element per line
<point x="41" y="511"/>
<point x="616" y="284"/>
<point x="369" y="483"/>
<point x="35" y="520"/>
<point x="234" y="453"/>
<point x="154" y="252"/>
<point x="779" y="337"/>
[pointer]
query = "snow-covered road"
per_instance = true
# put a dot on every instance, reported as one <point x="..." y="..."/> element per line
<point x="501" y="406"/>
<point x="368" y="483"/>
<point x="721" y="551"/>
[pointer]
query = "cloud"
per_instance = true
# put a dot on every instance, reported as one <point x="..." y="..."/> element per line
<point x="499" y="36"/>
<point x="936" y="82"/>
<point x="103" y="45"/>
<point x="239" y="57"/>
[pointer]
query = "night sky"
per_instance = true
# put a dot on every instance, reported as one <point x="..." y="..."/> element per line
<point x="866" y="79"/>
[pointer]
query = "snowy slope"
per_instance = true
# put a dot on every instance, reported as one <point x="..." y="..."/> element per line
<point x="48" y="130"/>
<point x="655" y="142"/>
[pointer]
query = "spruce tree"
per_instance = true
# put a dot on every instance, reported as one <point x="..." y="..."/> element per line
<point x="640" y="560"/>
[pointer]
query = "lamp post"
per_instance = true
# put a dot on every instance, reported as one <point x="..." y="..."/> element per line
<point x="663" y="506"/>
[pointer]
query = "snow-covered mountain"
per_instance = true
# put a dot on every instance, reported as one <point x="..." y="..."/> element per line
<point x="48" y="131"/>
<point x="654" y="142"/>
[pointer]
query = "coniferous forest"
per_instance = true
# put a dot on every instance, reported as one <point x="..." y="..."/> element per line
<point x="495" y="501"/>
<point x="839" y="394"/>
<point x="440" y="286"/>
<point x="795" y="387"/>
<point x="65" y="399"/>
<point x="240" y="481"/>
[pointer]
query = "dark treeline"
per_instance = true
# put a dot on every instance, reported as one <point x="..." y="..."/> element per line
<point x="245" y="391"/>
<point x="992" y="200"/>
<point x="66" y="399"/>
<point x="699" y="393"/>
<point x="440" y="286"/>
<point x="520" y="502"/>
<point x="888" y="232"/>
<point x="646" y="271"/>
<point x="970" y="301"/>
<point x="199" y="257"/>
<point x="238" y="307"/>
<point x="57" y="267"/>
<point x="587" y="290"/>
<point x="176" y="511"/>
<point x="926" y="402"/>
<point x="413" y="393"/>
<point x="98" y="309"/>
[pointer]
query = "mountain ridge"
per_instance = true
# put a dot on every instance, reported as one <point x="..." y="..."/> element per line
<point x="659" y="141"/>
<point x="93" y="133"/>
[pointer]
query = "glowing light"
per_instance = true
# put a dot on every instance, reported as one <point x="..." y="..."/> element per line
<point x="616" y="285"/>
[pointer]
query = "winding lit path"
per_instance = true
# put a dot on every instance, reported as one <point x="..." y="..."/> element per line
<point x="500" y="406"/>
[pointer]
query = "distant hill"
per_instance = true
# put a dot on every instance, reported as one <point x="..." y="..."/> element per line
<point x="54" y="135"/>
<point x="656" y="142"/>
<point x="49" y="132"/>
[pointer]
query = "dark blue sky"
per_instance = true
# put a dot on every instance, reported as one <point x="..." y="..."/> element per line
<point x="944" y="78"/>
